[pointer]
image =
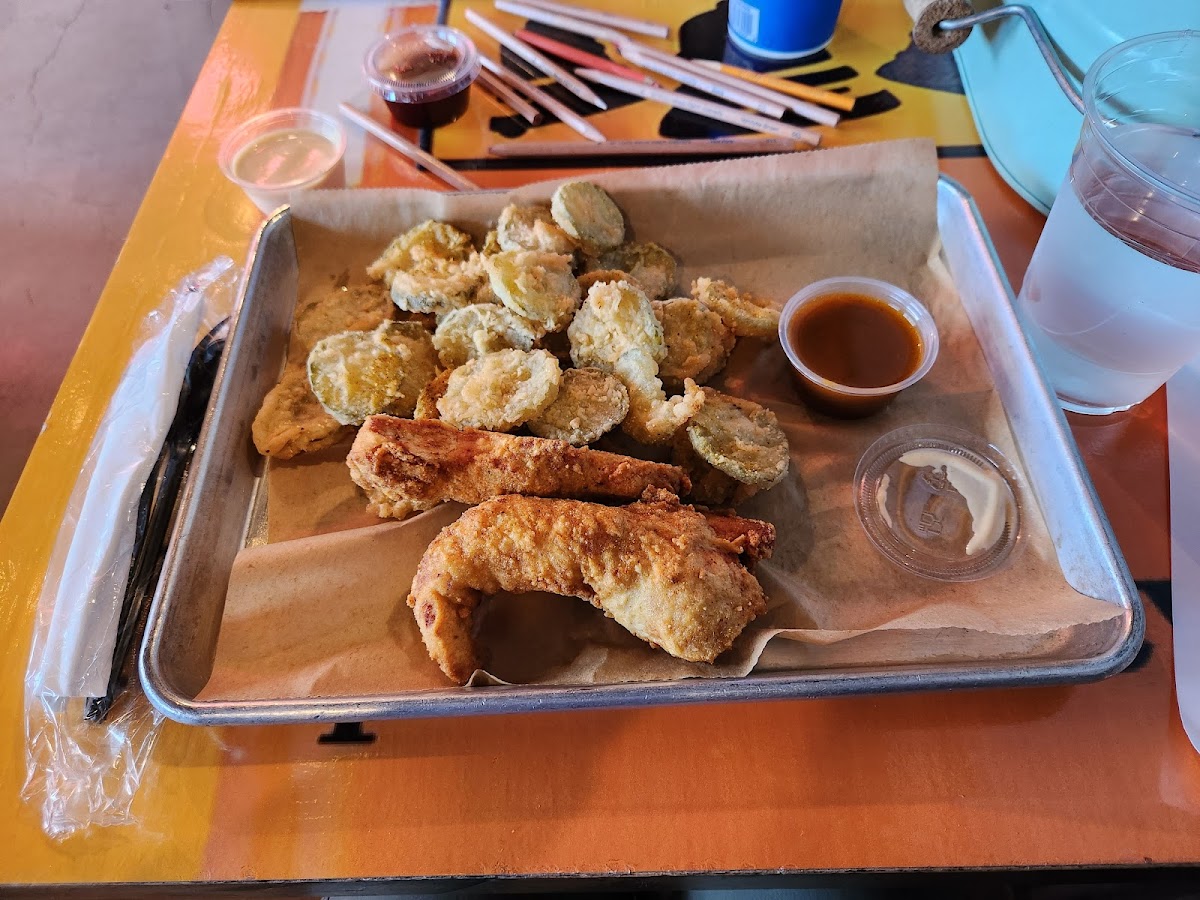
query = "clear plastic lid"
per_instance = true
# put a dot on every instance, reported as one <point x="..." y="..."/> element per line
<point x="939" y="502"/>
<point x="421" y="64"/>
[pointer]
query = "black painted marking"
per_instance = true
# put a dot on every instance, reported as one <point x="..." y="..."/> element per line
<point x="932" y="71"/>
<point x="347" y="733"/>
<point x="1158" y="590"/>
<point x="961" y="151"/>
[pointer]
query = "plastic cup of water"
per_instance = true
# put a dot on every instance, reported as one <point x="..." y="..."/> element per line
<point x="1111" y="300"/>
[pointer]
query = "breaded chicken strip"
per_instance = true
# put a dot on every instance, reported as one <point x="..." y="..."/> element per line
<point x="660" y="569"/>
<point x="406" y="465"/>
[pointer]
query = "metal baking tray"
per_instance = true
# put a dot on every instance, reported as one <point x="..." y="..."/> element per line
<point x="177" y="652"/>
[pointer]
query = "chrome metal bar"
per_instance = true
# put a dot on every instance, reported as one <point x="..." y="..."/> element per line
<point x="1030" y="18"/>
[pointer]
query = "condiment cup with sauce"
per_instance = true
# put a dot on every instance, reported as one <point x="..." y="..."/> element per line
<point x="855" y="343"/>
<point x="273" y="155"/>
<point x="423" y="74"/>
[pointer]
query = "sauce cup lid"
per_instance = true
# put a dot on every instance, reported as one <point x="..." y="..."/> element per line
<point x="939" y="501"/>
<point x="440" y="60"/>
<point x="897" y="298"/>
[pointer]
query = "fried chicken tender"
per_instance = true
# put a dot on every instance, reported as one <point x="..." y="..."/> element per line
<point x="291" y="420"/>
<point x="499" y="391"/>
<point x="537" y="286"/>
<point x="650" y="265"/>
<point x="698" y="343"/>
<point x="663" y="571"/>
<point x="531" y="228"/>
<point x="743" y="313"/>
<point x="406" y="465"/>
<point x="590" y="403"/>
<point x="588" y="214"/>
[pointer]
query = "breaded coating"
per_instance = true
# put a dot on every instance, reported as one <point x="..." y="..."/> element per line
<point x="743" y="313"/>
<point x="499" y="391"/>
<point x="406" y="465"/>
<point x="291" y="420"/>
<point x="653" y="416"/>
<point x="426" y="407"/>
<point x="615" y="317"/>
<point x="358" y="308"/>
<point x="425" y="242"/>
<point x="439" y="286"/>
<point x="651" y="266"/>
<point x="470" y="332"/>
<point x="740" y="438"/>
<point x="660" y="569"/>
<point x="588" y="214"/>
<point x="590" y="403"/>
<point x="698" y="343"/>
<point x="356" y="374"/>
<point x="531" y="228"/>
<point x="491" y="244"/>
<point x="535" y="285"/>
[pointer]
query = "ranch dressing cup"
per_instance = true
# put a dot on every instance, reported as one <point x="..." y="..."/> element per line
<point x="1111" y="300"/>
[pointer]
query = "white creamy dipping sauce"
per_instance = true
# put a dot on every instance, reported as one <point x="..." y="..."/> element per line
<point x="284" y="158"/>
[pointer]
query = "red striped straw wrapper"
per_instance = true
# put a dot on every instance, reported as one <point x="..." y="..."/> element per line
<point x="581" y="57"/>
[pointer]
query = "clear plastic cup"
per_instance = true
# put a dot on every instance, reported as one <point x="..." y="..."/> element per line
<point x="847" y="401"/>
<point x="1111" y="299"/>
<point x="423" y="74"/>
<point x="278" y="153"/>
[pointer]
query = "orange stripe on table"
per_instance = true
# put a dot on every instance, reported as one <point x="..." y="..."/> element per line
<point x="299" y="60"/>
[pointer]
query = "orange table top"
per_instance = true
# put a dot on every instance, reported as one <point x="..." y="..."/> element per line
<point x="1099" y="774"/>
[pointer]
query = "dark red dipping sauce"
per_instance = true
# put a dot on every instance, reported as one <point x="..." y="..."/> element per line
<point x="423" y="74"/>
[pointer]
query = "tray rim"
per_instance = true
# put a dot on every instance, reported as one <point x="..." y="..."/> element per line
<point x="810" y="684"/>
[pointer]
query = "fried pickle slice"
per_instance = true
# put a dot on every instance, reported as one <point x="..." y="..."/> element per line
<point x="358" y="308"/>
<point x="651" y="266"/>
<point x="590" y="403"/>
<point x="653" y="417"/>
<point x="698" y="343"/>
<point x="291" y="420"/>
<point x="356" y="374"/>
<point x="419" y="245"/>
<point x="438" y="286"/>
<point x="531" y="228"/>
<point x="434" y="391"/>
<point x="740" y="438"/>
<point x="710" y="486"/>
<point x="743" y="313"/>
<point x="587" y="279"/>
<point x="480" y="328"/>
<point x="501" y="390"/>
<point x="535" y="285"/>
<point x="615" y="317"/>
<point x="588" y="214"/>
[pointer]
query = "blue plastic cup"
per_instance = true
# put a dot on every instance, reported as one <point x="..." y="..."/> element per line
<point x="782" y="29"/>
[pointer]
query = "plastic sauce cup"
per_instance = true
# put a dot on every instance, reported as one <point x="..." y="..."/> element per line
<point x="423" y="73"/>
<point x="846" y="401"/>
<point x="272" y="156"/>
